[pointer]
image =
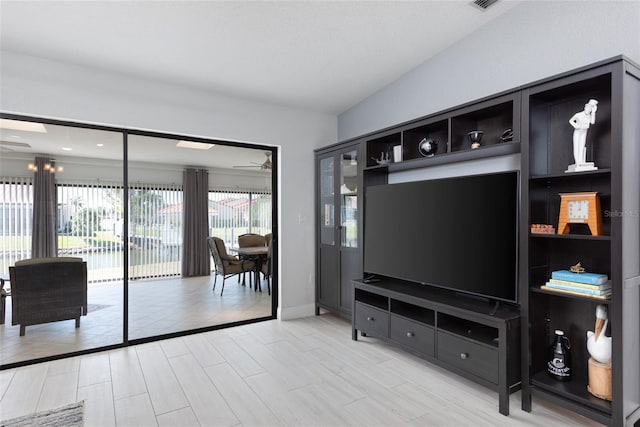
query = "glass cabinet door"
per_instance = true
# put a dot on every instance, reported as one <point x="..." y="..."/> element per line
<point x="339" y="258"/>
<point x="327" y="206"/>
<point x="349" y="199"/>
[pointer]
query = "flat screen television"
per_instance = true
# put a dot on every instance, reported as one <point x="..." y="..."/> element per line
<point x="459" y="233"/>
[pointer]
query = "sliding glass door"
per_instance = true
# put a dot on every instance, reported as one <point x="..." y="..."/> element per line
<point x="169" y="259"/>
<point x="121" y="203"/>
<point x="65" y="183"/>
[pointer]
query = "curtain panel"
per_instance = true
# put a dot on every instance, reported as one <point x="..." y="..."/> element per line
<point x="44" y="238"/>
<point x="195" y="252"/>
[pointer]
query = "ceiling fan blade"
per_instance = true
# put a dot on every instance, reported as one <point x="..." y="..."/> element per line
<point x="266" y="165"/>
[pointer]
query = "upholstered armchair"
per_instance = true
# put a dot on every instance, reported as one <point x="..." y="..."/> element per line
<point x="225" y="264"/>
<point x="48" y="290"/>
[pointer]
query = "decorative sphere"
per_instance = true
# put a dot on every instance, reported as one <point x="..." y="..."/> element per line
<point x="427" y="147"/>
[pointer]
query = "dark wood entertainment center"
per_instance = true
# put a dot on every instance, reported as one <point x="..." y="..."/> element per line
<point x="467" y="336"/>
<point x="509" y="348"/>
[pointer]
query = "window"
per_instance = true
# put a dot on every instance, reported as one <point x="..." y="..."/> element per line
<point x="232" y="214"/>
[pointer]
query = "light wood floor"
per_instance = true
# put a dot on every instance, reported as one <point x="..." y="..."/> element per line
<point x="156" y="307"/>
<point x="294" y="373"/>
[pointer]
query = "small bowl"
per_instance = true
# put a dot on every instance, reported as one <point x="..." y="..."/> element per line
<point x="507" y="135"/>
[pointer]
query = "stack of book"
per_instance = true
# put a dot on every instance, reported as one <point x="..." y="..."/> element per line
<point x="586" y="284"/>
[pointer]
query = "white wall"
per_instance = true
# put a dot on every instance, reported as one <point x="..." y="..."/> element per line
<point x="532" y="41"/>
<point x="45" y="88"/>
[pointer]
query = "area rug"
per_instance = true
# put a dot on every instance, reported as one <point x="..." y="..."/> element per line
<point x="66" y="416"/>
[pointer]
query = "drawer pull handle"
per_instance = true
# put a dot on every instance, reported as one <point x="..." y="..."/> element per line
<point x="410" y="334"/>
<point x="370" y="319"/>
<point x="464" y="355"/>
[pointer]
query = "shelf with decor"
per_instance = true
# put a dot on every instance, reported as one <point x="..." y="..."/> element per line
<point x="380" y="149"/>
<point x="426" y="138"/>
<point x="569" y="236"/>
<point x="546" y="203"/>
<point x="575" y="190"/>
<point x="573" y="295"/>
<point x="491" y="122"/>
<point x="457" y="157"/>
<point x="574" y="391"/>
<point x="569" y="176"/>
<point x="445" y="137"/>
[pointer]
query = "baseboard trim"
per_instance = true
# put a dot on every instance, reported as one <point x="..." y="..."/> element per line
<point x="296" y="312"/>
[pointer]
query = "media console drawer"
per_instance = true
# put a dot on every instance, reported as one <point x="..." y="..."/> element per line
<point x="412" y="334"/>
<point x="371" y="320"/>
<point x="477" y="359"/>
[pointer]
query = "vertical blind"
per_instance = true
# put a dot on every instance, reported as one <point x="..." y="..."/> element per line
<point x="16" y="198"/>
<point x="155" y="230"/>
<point x="90" y="226"/>
<point x="89" y="223"/>
<point x="232" y="213"/>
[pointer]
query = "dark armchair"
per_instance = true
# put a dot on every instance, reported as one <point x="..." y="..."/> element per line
<point x="48" y="290"/>
<point x="225" y="264"/>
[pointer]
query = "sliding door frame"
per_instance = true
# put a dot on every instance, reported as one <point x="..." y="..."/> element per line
<point x="125" y="142"/>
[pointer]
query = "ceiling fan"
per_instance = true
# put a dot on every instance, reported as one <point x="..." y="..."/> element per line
<point x="266" y="165"/>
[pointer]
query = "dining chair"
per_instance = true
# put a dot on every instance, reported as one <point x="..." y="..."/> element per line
<point x="249" y="240"/>
<point x="225" y="265"/>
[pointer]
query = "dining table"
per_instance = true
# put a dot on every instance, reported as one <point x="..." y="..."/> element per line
<point x="257" y="254"/>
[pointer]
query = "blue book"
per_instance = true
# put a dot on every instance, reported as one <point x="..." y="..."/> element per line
<point x="578" y="289"/>
<point x="586" y="278"/>
<point x="606" y="285"/>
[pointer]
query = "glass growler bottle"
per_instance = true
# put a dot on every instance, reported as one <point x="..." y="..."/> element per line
<point x="559" y="364"/>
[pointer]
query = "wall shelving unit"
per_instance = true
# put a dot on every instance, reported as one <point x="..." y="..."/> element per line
<point x="612" y="144"/>
<point x="538" y="115"/>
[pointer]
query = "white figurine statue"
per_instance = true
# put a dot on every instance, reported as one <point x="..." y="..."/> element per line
<point x="581" y="122"/>
<point x="598" y="345"/>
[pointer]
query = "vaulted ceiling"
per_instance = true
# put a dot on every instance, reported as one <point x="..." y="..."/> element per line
<point x="321" y="56"/>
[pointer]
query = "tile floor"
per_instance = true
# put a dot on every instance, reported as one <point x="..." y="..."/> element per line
<point x="305" y="372"/>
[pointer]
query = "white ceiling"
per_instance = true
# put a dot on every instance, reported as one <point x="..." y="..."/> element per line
<point x="64" y="142"/>
<point x="315" y="55"/>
